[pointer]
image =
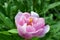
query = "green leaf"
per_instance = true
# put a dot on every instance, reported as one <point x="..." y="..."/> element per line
<point x="53" y="5"/>
<point x="56" y="27"/>
<point x="50" y="6"/>
<point x="6" y="20"/>
<point x="13" y="31"/>
<point x="5" y="32"/>
<point x="35" y="38"/>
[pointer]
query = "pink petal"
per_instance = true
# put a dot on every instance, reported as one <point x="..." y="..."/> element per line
<point x="17" y="17"/>
<point x="27" y="35"/>
<point x="34" y="14"/>
<point x="22" y="32"/>
<point x="36" y="33"/>
<point x="35" y="20"/>
<point x="30" y="29"/>
<point x="27" y="15"/>
<point x="46" y="29"/>
<point x="22" y="29"/>
<point x="21" y="18"/>
<point x="39" y="24"/>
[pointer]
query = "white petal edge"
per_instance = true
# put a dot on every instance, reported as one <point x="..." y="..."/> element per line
<point x="18" y="15"/>
<point x="34" y="14"/>
<point x="24" y="28"/>
<point x="46" y="29"/>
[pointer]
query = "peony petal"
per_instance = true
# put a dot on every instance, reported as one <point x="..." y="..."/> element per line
<point x="39" y="24"/>
<point x="35" y="20"/>
<point x="34" y="14"/>
<point x="30" y="29"/>
<point x="46" y="28"/>
<point x="27" y="35"/>
<point x="22" y="31"/>
<point x="27" y="15"/>
<point x="18" y="15"/>
<point x="21" y="18"/>
<point x="24" y="28"/>
<point x="36" y="33"/>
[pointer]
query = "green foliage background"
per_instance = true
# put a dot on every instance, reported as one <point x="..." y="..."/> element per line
<point x="49" y="9"/>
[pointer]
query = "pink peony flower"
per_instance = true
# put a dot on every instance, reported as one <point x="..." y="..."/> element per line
<point x="30" y="25"/>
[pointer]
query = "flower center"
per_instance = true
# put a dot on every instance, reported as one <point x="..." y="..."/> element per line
<point x="30" y="21"/>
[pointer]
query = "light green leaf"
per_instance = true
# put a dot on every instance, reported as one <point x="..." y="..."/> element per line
<point x="13" y="31"/>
